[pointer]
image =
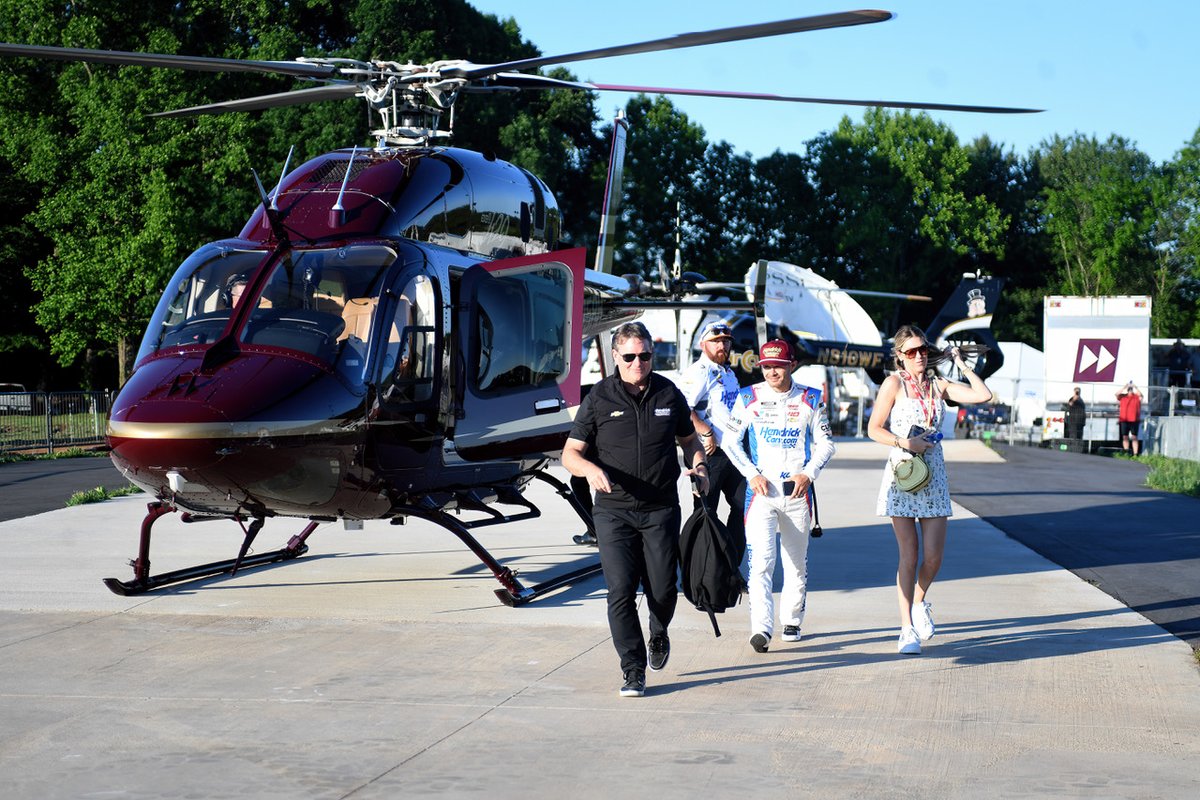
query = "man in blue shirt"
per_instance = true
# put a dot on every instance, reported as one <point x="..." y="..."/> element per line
<point x="710" y="388"/>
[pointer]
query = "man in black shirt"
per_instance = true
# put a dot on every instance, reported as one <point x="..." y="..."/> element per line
<point x="629" y="424"/>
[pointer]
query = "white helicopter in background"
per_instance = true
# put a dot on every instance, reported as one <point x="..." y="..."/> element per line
<point x="839" y="345"/>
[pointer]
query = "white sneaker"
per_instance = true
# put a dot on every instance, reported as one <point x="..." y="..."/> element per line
<point x="922" y="619"/>
<point x="909" y="644"/>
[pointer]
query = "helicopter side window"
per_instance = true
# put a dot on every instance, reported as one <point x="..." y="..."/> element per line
<point x="410" y="353"/>
<point x="520" y="331"/>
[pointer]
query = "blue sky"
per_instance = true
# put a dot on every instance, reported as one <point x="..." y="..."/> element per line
<point x="1098" y="67"/>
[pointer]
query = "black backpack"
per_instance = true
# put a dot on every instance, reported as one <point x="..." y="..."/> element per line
<point x="711" y="564"/>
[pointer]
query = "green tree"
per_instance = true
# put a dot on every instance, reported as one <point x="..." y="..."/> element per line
<point x="122" y="197"/>
<point x="1098" y="210"/>
<point x="1013" y="185"/>
<point x="119" y="198"/>
<point x="892" y="213"/>
<point x="716" y="212"/>
<point x="665" y="151"/>
<point x="781" y="206"/>
<point x="1176" y="237"/>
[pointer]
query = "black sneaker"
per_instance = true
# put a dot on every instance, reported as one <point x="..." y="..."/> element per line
<point x="587" y="538"/>
<point x="660" y="651"/>
<point x="791" y="633"/>
<point x="635" y="683"/>
<point x="760" y="642"/>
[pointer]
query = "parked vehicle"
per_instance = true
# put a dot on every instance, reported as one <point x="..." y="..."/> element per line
<point x="14" y="399"/>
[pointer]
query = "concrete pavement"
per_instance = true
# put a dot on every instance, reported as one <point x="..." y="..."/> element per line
<point x="380" y="665"/>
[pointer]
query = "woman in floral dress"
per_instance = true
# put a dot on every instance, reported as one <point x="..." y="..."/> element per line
<point x="914" y="397"/>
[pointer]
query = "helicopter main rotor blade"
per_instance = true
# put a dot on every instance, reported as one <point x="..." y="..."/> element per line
<point x="299" y="69"/>
<point x="510" y="81"/>
<point x="610" y="87"/>
<point x="736" y="34"/>
<point x="335" y="91"/>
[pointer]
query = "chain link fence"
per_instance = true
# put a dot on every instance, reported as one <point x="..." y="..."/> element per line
<point x="42" y="422"/>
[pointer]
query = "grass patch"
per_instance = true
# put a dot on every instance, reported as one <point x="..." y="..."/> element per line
<point x="1179" y="475"/>
<point x="100" y="494"/>
<point x="73" y="452"/>
<point x="69" y="452"/>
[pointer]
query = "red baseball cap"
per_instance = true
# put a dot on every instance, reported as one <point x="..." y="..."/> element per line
<point x="776" y="353"/>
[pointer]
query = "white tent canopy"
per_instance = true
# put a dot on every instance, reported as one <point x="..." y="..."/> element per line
<point x="1019" y="384"/>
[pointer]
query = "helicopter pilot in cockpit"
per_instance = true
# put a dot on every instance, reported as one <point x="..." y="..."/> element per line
<point x="234" y="288"/>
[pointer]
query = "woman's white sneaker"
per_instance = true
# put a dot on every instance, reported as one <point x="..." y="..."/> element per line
<point x="909" y="644"/>
<point x="922" y="619"/>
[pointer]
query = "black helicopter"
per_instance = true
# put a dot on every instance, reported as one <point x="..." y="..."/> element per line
<point x="393" y="333"/>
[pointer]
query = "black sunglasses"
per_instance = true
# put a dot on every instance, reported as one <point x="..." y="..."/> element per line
<point x="629" y="357"/>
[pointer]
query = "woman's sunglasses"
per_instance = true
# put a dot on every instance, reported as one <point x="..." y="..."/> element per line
<point x="629" y="357"/>
<point x="915" y="351"/>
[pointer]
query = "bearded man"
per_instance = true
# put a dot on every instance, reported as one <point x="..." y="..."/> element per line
<point x="710" y="388"/>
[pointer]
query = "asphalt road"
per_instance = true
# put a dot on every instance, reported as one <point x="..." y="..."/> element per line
<point x="1093" y="516"/>
<point x="1089" y="514"/>
<point x="32" y="487"/>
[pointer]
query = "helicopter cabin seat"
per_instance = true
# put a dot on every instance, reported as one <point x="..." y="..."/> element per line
<point x="330" y="296"/>
<point x="357" y="315"/>
<point x="328" y="303"/>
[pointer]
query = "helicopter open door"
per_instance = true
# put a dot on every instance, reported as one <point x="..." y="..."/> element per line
<point x="520" y="324"/>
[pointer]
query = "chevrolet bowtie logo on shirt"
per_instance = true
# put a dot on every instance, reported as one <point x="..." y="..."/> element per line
<point x="616" y="413"/>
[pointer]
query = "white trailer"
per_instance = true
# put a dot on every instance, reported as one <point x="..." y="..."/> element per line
<point x="1096" y="343"/>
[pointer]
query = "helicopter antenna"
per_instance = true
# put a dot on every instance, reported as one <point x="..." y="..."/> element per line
<point x="337" y="214"/>
<point x="279" y="186"/>
<point x="270" y="212"/>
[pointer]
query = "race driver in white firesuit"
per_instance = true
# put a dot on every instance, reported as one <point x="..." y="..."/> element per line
<point x="789" y="441"/>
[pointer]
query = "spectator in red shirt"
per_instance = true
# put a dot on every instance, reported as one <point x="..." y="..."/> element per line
<point x="1129" y="417"/>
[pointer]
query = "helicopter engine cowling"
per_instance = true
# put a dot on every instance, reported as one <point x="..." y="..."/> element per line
<point x="444" y="196"/>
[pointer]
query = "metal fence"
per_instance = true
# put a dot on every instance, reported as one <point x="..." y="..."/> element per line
<point x="1170" y="427"/>
<point x="1177" y="436"/>
<point x="1172" y="401"/>
<point x="49" y="421"/>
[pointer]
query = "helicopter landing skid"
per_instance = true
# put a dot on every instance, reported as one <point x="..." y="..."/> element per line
<point x="143" y="581"/>
<point x="513" y="593"/>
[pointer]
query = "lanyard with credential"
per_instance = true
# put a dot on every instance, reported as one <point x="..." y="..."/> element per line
<point x="927" y="411"/>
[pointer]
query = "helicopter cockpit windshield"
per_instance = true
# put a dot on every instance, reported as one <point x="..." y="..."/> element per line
<point x="198" y="302"/>
<point x="317" y="302"/>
